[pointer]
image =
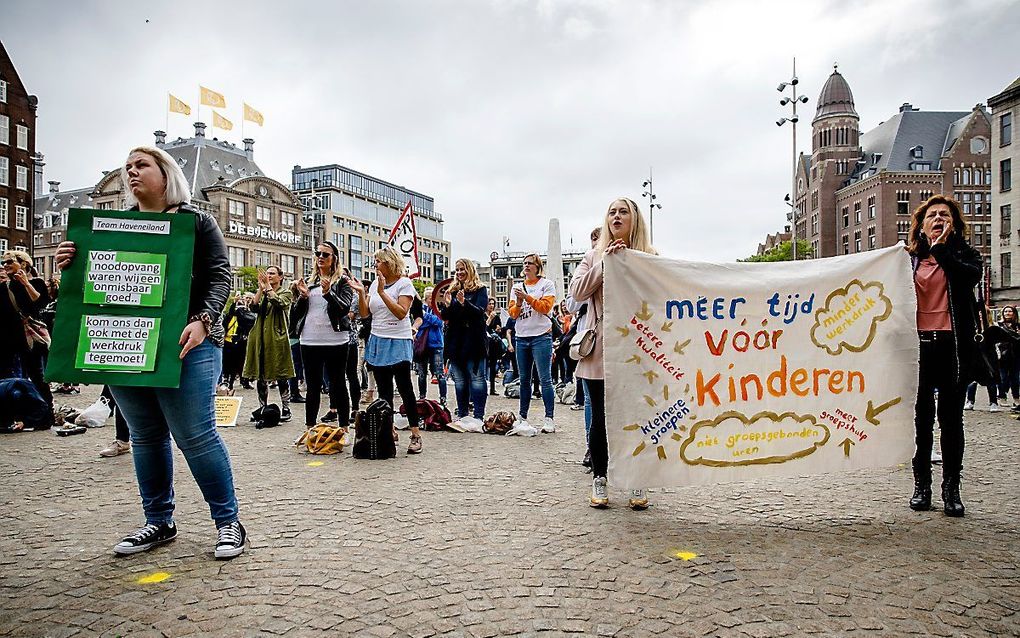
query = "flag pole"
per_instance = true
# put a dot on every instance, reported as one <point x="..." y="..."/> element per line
<point x="242" y="122"/>
<point x="166" y="128"/>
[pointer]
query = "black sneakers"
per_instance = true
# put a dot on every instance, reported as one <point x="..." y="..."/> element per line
<point x="329" y="417"/>
<point x="231" y="540"/>
<point x="285" y="415"/>
<point x="146" y="538"/>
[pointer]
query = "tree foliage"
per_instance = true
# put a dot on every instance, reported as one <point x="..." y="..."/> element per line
<point x="783" y="252"/>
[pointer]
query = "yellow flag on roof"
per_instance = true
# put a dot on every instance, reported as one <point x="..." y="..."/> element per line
<point x="177" y="106"/>
<point x="221" y="122"/>
<point x="252" y="115"/>
<point x="212" y="98"/>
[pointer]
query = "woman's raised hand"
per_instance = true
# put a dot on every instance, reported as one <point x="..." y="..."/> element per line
<point x="302" y="287"/>
<point x="615" y="247"/>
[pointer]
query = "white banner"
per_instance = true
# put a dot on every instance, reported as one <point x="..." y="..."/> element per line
<point x="404" y="237"/>
<point x="726" y="372"/>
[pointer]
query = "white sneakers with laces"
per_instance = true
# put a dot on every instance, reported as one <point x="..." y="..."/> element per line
<point x="599" y="493"/>
<point x="548" y="426"/>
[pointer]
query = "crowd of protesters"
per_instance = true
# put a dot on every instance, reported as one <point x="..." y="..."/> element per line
<point x="345" y="340"/>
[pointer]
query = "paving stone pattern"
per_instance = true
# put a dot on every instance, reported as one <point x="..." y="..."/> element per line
<point x="486" y="536"/>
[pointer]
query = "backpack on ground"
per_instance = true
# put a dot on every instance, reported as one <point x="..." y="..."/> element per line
<point x="565" y="393"/>
<point x="432" y="415"/>
<point x="268" y="417"/>
<point x="500" y="422"/>
<point x="512" y="390"/>
<point x="373" y="432"/>
<point x="324" y="439"/>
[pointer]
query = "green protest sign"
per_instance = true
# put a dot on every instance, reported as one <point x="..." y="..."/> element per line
<point x="124" y="300"/>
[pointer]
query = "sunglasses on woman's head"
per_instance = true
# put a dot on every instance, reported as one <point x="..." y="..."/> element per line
<point x="7" y="262"/>
<point x="322" y="254"/>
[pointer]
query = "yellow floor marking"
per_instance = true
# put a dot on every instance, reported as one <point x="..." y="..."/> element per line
<point x="315" y="464"/>
<point x="157" y="577"/>
<point x="685" y="555"/>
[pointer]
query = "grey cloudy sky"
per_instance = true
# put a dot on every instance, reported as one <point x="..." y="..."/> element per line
<point x="508" y="112"/>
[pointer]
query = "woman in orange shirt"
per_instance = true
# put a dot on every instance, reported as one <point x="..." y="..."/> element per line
<point x="530" y="306"/>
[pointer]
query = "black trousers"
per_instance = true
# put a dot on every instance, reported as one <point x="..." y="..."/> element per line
<point x="122" y="433"/>
<point x="401" y="373"/>
<point x="351" y="372"/>
<point x="334" y="360"/>
<point x="598" y="443"/>
<point x="937" y="369"/>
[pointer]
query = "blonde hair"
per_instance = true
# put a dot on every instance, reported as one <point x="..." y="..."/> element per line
<point x="337" y="270"/>
<point x="473" y="282"/>
<point x="177" y="189"/>
<point x="19" y="255"/>
<point x="638" y="239"/>
<point x="388" y="255"/>
<point x="539" y="264"/>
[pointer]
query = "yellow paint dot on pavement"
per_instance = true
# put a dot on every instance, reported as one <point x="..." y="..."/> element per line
<point x="157" y="577"/>
<point x="315" y="464"/>
<point x="685" y="555"/>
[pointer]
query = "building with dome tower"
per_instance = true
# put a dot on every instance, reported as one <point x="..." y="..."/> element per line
<point x="856" y="192"/>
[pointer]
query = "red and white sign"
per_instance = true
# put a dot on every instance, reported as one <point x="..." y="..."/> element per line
<point x="404" y="238"/>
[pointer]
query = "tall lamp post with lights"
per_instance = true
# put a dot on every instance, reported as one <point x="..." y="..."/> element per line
<point x="312" y="211"/>
<point x="652" y="205"/>
<point x="793" y="99"/>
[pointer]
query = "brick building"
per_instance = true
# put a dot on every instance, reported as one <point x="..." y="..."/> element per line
<point x="17" y="157"/>
<point x="856" y="192"/>
<point x="1005" y="199"/>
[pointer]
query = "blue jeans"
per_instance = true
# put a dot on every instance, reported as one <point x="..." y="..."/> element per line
<point x="187" y="413"/>
<point x="469" y="378"/>
<point x="434" y="361"/>
<point x="537" y="350"/>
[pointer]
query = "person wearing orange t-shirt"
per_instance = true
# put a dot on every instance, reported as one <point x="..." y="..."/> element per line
<point x="530" y="305"/>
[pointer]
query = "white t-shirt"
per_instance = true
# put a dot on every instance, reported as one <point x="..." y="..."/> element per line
<point x="384" y="324"/>
<point x="531" y="323"/>
<point x="318" y="331"/>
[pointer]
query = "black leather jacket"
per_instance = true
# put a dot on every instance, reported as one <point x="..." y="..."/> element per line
<point x="338" y="306"/>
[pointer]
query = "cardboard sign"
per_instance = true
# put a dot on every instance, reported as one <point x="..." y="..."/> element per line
<point x="124" y="300"/>
<point x="227" y="411"/>
<point x="722" y="372"/>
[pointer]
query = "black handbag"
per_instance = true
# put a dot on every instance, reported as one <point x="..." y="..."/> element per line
<point x="373" y="432"/>
<point x="986" y="368"/>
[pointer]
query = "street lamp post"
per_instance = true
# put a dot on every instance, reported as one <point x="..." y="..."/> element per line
<point x="652" y="205"/>
<point x="792" y="101"/>
<point x="313" y="207"/>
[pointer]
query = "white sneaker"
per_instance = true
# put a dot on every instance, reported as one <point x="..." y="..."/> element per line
<point x="936" y="458"/>
<point x="471" y="424"/>
<point x="969" y="405"/>
<point x="599" y="493"/>
<point x="548" y="426"/>
<point x="639" y="499"/>
<point x="994" y="408"/>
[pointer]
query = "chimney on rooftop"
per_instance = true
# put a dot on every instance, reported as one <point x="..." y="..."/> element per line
<point x="160" y="137"/>
<point x="249" y="148"/>
<point x="54" y="186"/>
<point x="37" y="173"/>
<point x="907" y="106"/>
<point x="200" y="131"/>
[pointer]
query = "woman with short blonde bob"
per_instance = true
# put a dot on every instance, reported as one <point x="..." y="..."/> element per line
<point x="390" y="350"/>
<point x="154" y="183"/>
<point x="466" y="340"/>
<point x="623" y="228"/>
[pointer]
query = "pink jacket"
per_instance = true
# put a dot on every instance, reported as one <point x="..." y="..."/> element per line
<point x="586" y="285"/>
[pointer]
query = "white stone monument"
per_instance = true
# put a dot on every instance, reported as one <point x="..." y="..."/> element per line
<point x="554" y="261"/>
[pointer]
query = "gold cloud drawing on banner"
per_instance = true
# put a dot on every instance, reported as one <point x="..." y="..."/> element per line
<point x="733" y="439"/>
<point x="849" y="319"/>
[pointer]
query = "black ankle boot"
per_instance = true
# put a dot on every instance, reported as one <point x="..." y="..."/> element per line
<point x="921" y="500"/>
<point x="951" y="503"/>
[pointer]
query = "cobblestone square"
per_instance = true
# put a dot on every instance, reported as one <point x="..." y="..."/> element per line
<point x="492" y="536"/>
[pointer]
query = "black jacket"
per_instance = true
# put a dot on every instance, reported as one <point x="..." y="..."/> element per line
<point x="338" y="307"/>
<point x="962" y="266"/>
<point x="10" y="316"/>
<point x="466" y="336"/>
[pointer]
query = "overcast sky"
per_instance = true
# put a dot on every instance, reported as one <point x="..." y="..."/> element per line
<point x="508" y="112"/>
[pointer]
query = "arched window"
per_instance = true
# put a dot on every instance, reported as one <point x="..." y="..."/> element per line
<point x="977" y="176"/>
<point x="966" y="176"/>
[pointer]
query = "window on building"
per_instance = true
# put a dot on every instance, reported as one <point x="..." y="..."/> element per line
<point x="814" y="224"/>
<point x="1006" y="225"/>
<point x="236" y="208"/>
<point x="922" y="166"/>
<point x="21" y="217"/>
<point x="57" y="237"/>
<point x="917" y="152"/>
<point x="264" y="214"/>
<point x="871" y="207"/>
<point x="871" y="238"/>
<point x="857" y="241"/>
<point x="4" y="213"/>
<point x="857" y="212"/>
<point x="288" y="263"/>
<point x="287" y="219"/>
<point x="263" y="258"/>
<point x="965" y="176"/>
<point x="306" y="264"/>
<point x="902" y="202"/>
<point x="978" y="173"/>
<point x="106" y="206"/>
<point x="1006" y="128"/>
<point x="902" y="229"/>
<point x="5" y="129"/>
<point x="22" y="183"/>
<point x="1005" y="174"/>
<point x="22" y="137"/>
<point x="3" y="93"/>
<point x="977" y="235"/>
<point x="814" y="200"/>
<point x="1005" y="277"/>
<point x="3" y="245"/>
<point x="846" y="216"/>
<point x="4" y="172"/>
<point x="925" y="195"/>
<point x="846" y="244"/>
<point x="236" y="255"/>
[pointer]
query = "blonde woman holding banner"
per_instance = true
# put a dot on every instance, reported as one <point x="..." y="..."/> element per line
<point x="623" y="228"/>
